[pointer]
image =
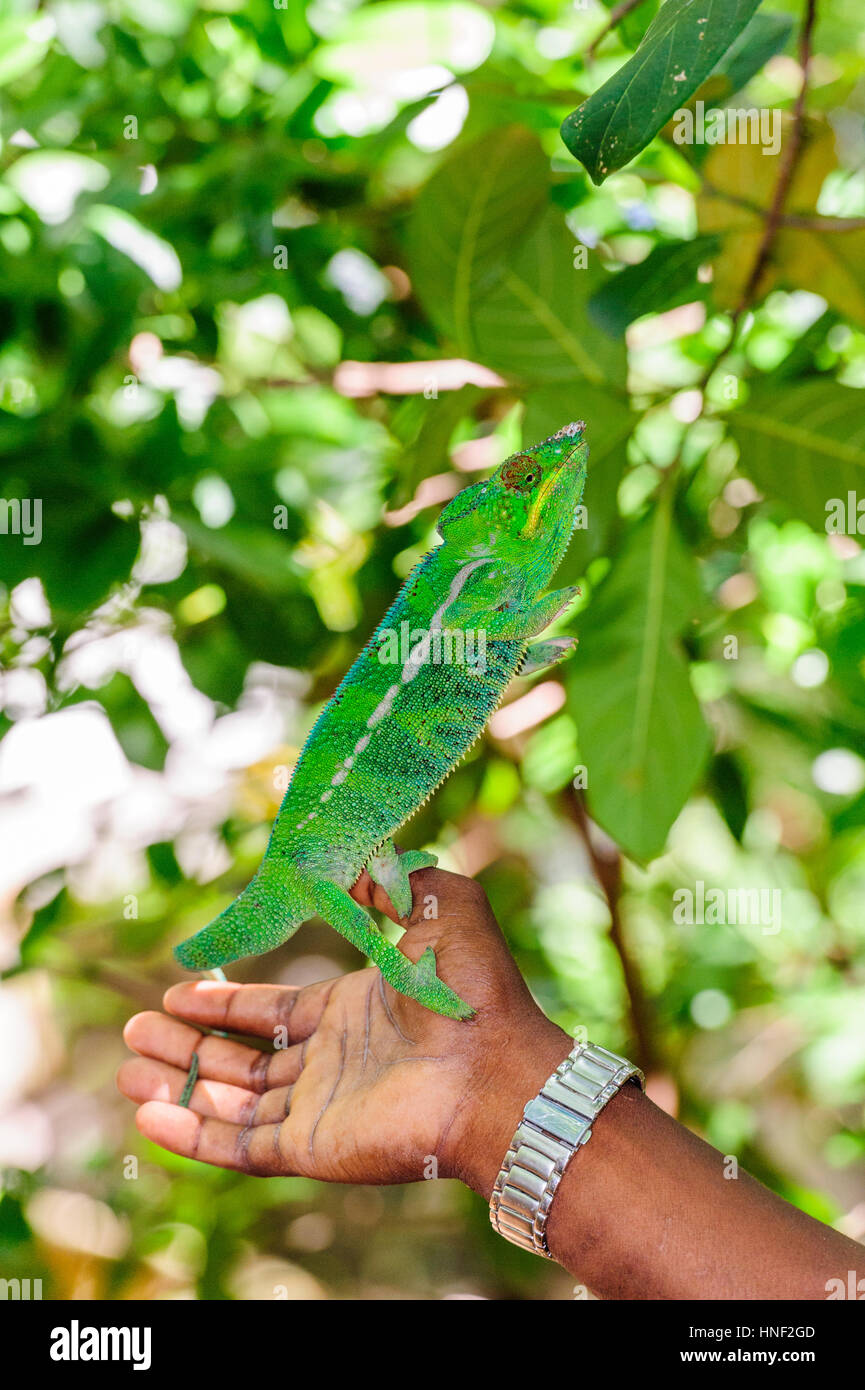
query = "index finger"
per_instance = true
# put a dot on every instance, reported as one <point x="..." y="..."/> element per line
<point x="261" y="1010"/>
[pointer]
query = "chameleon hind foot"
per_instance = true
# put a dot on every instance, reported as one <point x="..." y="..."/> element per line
<point x="519" y="623"/>
<point x="432" y="992"/>
<point x="391" y="871"/>
<point x="420" y="982"/>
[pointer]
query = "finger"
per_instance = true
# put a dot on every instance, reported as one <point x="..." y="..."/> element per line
<point x="368" y="893"/>
<point x="213" y="1141"/>
<point x="168" y="1040"/>
<point x="276" y="1012"/>
<point x="273" y="1106"/>
<point x="450" y="889"/>
<point x="141" y="1080"/>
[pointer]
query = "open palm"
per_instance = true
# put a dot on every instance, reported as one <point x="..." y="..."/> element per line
<point x="364" y="1085"/>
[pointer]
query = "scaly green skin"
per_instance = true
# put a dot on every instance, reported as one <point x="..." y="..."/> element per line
<point x="402" y="719"/>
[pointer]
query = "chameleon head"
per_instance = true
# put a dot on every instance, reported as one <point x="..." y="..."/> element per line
<point x="527" y="508"/>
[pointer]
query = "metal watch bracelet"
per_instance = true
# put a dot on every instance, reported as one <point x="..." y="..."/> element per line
<point x="554" y="1125"/>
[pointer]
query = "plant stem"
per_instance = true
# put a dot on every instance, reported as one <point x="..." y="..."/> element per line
<point x="606" y="862"/>
<point x="788" y="168"/>
<point x="617" y="14"/>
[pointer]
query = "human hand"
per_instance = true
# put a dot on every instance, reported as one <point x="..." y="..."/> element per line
<point x="370" y="1086"/>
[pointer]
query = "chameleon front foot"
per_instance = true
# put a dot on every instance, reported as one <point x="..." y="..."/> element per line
<point x="541" y="655"/>
<point x="391" y="871"/>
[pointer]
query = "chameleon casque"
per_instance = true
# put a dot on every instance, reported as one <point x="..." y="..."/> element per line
<point x="401" y="720"/>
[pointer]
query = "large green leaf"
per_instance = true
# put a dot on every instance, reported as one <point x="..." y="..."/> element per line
<point x="803" y="442"/>
<point x="533" y="324"/>
<point x="764" y="36"/>
<point x="679" y="51"/>
<point x="641" y="732"/>
<point x="24" y="41"/>
<point x="470" y="214"/>
<point x="633" y="25"/>
<point x="83" y="550"/>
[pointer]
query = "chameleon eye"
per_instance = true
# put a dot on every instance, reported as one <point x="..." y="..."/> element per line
<point x="521" y="474"/>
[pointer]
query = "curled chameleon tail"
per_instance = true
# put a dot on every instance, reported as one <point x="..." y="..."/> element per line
<point x="418" y="695"/>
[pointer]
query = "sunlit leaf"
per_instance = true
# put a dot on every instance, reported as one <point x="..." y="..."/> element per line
<point x="155" y="256"/>
<point x="24" y="40"/>
<point x="641" y="732"/>
<point x="381" y="44"/>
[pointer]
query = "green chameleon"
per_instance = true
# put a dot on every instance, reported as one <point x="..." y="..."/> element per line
<point x="417" y="697"/>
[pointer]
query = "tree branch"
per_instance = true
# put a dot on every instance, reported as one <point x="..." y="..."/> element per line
<point x="815" y="223"/>
<point x="606" y="864"/>
<point x="788" y="168"/>
<point x="617" y="14"/>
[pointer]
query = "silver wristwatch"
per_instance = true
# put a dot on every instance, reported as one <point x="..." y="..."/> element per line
<point x="553" y="1127"/>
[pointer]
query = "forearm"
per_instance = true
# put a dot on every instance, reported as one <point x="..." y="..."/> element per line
<point x="646" y="1210"/>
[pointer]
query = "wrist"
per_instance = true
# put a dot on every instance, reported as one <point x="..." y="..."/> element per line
<point x="514" y="1075"/>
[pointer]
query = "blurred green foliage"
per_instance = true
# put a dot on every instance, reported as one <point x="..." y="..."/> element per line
<point x="242" y="246"/>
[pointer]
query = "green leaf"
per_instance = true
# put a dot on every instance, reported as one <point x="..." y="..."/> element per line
<point x="764" y="36"/>
<point x="667" y="277"/>
<point x="534" y="326"/>
<point x="469" y="215"/>
<point x="83" y="550"/>
<point x="24" y="41"/>
<point x="679" y="51"/>
<point x="434" y="422"/>
<point x="633" y="25"/>
<point x="252" y="553"/>
<point x="803" y="442"/>
<point x="641" y="732"/>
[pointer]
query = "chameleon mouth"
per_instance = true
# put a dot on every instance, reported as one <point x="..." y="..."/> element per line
<point x="547" y="487"/>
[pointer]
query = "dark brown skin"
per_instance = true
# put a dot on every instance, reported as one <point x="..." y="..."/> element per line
<point x="371" y="1086"/>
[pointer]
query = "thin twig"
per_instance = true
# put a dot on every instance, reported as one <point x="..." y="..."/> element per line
<point x="606" y="862"/>
<point x="617" y="14"/>
<point x="774" y="217"/>
<point x="788" y="168"/>
<point x="832" y="225"/>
